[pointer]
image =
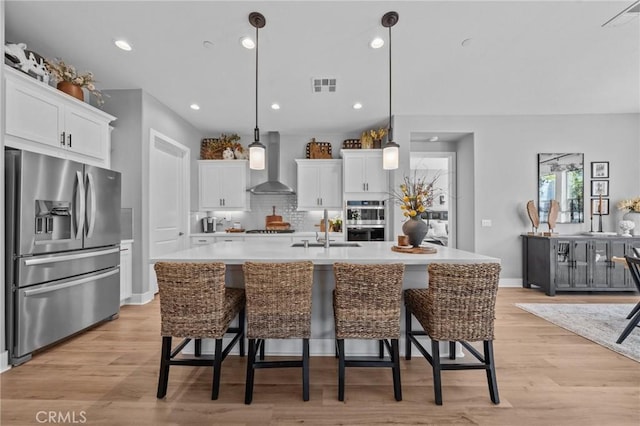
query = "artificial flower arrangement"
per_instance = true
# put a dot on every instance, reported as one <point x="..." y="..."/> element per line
<point x="61" y="71"/>
<point x="632" y="205"/>
<point x="335" y="224"/>
<point x="416" y="195"/>
<point x="367" y="137"/>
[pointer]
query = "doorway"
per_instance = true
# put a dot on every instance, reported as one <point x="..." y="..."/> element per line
<point x="168" y="197"/>
<point x="441" y="216"/>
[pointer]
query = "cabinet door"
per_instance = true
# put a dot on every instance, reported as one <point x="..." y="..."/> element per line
<point x="601" y="264"/>
<point x="375" y="175"/>
<point x="210" y="186"/>
<point x="581" y="258"/>
<point x="33" y="115"/>
<point x="233" y="185"/>
<point x="223" y="185"/>
<point x="619" y="276"/>
<point x="354" y="173"/>
<point x="563" y="264"/>
<point x="85" y="133"/>
<point x="308" y="189"/>
<point x="330" y="185"/>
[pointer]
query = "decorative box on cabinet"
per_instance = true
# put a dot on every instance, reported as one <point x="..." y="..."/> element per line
<point x="576" y="263"/>
<point x="319" y="184"/>
<point x="223" y="184"/>
<point x="126" y="270"/>
<point x="363" y="172"/>
<point x="43" y="119"/>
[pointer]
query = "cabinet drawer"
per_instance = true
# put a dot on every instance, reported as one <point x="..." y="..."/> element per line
<point x="201" y="241"/>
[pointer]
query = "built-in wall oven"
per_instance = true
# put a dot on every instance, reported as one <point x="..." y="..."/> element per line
<point x="365" y="220"/>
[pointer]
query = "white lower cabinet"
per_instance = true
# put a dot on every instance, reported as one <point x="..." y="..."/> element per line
<point x="126" y="271"/>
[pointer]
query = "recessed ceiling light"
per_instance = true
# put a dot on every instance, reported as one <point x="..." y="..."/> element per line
<point x="122" y="44"/>
<point x="275" y="106"/>
<point x="357" y="105"/>
<point x="466" y="42"/>
<point x="376" y="43"/>
<point x="195" y="107"/>
<point x="207" y="44"/>
<point x="433" y="139"/>
<point x="247" y="43"/>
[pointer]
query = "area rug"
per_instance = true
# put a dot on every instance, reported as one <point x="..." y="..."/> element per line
<point x="598" y="322"/>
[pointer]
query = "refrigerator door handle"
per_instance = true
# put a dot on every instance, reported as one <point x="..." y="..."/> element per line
<point x="64" y="258"/>
<point x="36" y="291"/>
<point x="92" y="219"/>
<point x="80" y="214"/>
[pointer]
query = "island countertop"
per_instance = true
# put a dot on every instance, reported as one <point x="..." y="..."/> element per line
<point x="238" y="252"/>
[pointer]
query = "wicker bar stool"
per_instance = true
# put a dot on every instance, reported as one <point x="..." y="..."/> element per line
<point x="278" y="307"/>
<point x="366" y="305"/>
<point x="458" y="306"/>
<point x="195" y="304"/>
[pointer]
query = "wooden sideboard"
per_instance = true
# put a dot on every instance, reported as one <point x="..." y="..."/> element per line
<point x="576" y="262"/>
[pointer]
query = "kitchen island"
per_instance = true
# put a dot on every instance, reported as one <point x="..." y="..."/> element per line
<point x="235" y="253"/>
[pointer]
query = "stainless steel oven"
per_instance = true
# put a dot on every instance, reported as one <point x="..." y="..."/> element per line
<point x="365" y="220"/>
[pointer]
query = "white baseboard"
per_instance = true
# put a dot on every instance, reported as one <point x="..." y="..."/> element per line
<point x="140" y="298"/>
<point x="510" y="282"/>
<point x="4" y="361"/>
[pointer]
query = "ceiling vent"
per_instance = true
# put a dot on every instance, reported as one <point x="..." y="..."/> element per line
<point x="323" y="84"/>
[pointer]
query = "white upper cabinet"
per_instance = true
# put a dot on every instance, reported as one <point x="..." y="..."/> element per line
<point x="223" y="184"/>
<point x="42" y="119"/>
<point x="319" y="184"/>
<point x="363" y="172"/>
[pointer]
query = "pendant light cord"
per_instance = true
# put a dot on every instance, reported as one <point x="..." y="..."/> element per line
<point x="390" y="137"/>
<point x="256" y="131"/>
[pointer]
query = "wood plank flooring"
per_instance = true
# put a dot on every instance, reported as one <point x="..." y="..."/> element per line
<point x="546" y="376"/>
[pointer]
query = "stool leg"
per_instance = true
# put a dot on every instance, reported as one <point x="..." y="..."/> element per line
<point x="341" y="368"/>
<point x="217" y="369"/>
<point x="165" y="357"/>
<point x="437" y="384"/>
<point x="634" y="310"/>
<point x="452" y="350"/>
<point x="407" y="332"/>
<point x="241" y="326"/>
<point x="380" y="349"/>
<point x="491" y="371"/>
<point x="261" y="343"/>
<point x="198" y="347"/>
<point x="305" y="369"/>
<point x="395" y="356"/>
<point x="248" y="392"/>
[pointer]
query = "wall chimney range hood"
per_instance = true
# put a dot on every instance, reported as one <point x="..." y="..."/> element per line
<point x="272" y="186"/>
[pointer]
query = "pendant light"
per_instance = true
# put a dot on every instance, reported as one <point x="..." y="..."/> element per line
<point x="391" y="150"/>
<point x="256" y="149"/>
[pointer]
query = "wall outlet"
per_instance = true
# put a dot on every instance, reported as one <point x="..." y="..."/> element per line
<point x="486" y="223"/>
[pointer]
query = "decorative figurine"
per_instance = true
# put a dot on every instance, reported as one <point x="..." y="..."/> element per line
<point x="532" y="211"/>
<point x="227" y="154"/>
<point x="27" y="61"/>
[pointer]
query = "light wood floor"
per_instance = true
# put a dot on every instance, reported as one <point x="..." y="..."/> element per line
<point x="546" y="376"/>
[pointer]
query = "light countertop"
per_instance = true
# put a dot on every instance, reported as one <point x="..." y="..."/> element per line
<point x="238" y="252"/>
<point x="334" y="235"/>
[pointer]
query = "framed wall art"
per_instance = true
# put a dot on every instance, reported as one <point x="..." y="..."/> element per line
<point x="596" y="207"/>
<point x="599" y="169"/>
<point x="599" y="187"/>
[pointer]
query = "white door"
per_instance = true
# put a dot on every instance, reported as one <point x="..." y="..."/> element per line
<point x="168" y="197"/>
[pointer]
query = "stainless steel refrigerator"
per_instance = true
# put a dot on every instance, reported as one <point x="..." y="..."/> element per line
<point x="62" y="224"/>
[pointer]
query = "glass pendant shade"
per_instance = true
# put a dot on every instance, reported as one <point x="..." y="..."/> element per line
<point x="390" y="156"/>
<point x="256" y="156"/>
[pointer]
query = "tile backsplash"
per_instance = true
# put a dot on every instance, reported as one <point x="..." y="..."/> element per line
<point x="261" y="207"/>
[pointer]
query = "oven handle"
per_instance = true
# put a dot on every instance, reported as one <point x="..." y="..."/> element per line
<point x="64" y="258"/>
<point x="34" y="292"/>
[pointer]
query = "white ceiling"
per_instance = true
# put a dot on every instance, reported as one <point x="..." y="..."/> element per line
<point x="539" y="57"/>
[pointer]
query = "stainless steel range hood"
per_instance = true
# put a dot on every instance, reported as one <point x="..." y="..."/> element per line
<point x="273" y="186"/>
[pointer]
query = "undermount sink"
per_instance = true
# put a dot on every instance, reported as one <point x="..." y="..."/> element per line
<point x="331" y="244"/>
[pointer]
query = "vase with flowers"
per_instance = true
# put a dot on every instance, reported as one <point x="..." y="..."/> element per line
<point x="632" y="206"/>
<point x="72" y="82"/>
<point x="416" y="195"/>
